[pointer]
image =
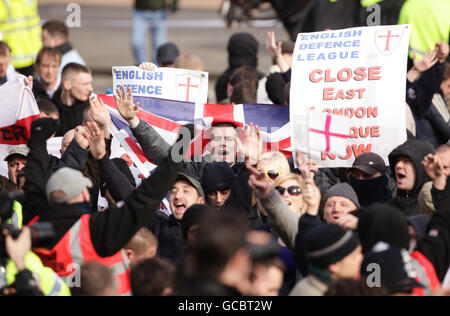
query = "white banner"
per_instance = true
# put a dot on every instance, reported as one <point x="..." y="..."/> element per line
<point x="19" y="109"/>
<point x="164" y="83"/>
<point x="359" y="73"/>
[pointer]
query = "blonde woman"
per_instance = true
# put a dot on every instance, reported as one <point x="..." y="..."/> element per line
<point x="273" y="164"/>
<point x="291" y="187"/>
<point x="285" y="202"/>
<point x="284" y="212"/>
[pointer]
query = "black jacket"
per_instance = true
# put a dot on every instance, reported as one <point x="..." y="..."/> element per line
<point x="150" y="4"/>
<point x="110" y="230"/>
<point x="240" y="199"/>
<point x="423" y="97"/>
<point x="242" y="51"/>
<point x="74" y="157"/>
<point x="167" y="229"/>
<point x="39" y="92"/>
<point x="436" y="244"/>
<point x="69" y="116"/>
<point x="306" y="223"/>
<point x="406" y="201"/>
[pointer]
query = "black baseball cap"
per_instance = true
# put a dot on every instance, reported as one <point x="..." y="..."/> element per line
<point x="370" y="163"/>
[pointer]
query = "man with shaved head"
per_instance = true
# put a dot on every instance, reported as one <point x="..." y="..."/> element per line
<point x="73" y="97"/>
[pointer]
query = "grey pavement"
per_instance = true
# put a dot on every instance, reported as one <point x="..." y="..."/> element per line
<point x="104" y="39"/>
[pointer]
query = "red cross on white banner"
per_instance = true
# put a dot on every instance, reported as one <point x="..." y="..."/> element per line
<point x="388" y="40"/>
<point x="328" y="133"/>
<point x="188" y="87"/>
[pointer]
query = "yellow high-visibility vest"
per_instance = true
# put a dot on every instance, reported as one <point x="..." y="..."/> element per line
<point x="17" y="218"/>
<point x="430" y="24"/>
<point x="20" y="26"/>
<point x="50" y="283"/>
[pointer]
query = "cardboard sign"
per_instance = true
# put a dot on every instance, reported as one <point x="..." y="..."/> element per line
<point x="359" y="73"/>
<point x="163" y="83"/>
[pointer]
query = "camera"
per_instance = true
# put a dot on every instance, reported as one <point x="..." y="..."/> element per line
<point x="42" y="234"/>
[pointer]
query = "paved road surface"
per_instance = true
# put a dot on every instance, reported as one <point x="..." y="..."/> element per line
<point x="103" y="38"/>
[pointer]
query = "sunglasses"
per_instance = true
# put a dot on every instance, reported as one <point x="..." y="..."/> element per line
<point x="272" y="174"/>
<point x="293" y="191"/>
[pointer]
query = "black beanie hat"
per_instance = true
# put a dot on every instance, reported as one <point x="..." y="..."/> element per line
<point x="329" y="243"/>
<point x="217" y="176"/>
<point x="193" y="216"/>
<point x="396" y="269"/>
<point x="381" y="222"/>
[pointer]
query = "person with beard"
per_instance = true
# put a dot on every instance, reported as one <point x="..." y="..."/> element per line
<point x="406" y="164"/>
<point x="185" y="192"/>
<point x="72" y="98"/>
<point x="47" y="68"/>
<point x="242" y="51"/>
<point x="369" y="180"/>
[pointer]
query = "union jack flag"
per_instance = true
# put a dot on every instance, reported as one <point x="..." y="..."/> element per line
<point x="167" y="116"/>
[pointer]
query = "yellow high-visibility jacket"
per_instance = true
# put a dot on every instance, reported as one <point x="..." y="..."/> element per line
<point x="20" y="28"/>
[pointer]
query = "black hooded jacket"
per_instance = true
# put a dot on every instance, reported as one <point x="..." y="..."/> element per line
<point x="69" y="116"/>
<point x="242" y="51"/>
<point x="416" y="150"/>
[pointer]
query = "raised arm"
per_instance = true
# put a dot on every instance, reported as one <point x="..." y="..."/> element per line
<point x="429" y="82"/>
<point x="117" y="183"/>
<point x="154" y="146"/>
<point x="280" y="216"/>
<point x="113" y="229"/>
<point x="241" y="193"/>
<point x="36" y="170"/>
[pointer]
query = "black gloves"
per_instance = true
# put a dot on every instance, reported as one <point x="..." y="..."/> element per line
<point x="42" y="129"/>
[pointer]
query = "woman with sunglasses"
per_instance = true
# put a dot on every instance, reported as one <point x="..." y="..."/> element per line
<point x="273" y="164"/>
<point x="285" y="202"/>
<point x="291" y="188"/>
<point x="284" y="214"/>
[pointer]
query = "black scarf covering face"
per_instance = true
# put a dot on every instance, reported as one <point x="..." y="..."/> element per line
<point x="372" y="191"/>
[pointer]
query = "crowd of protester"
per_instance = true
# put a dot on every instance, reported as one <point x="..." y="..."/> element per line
<point x="257" y="226"/>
